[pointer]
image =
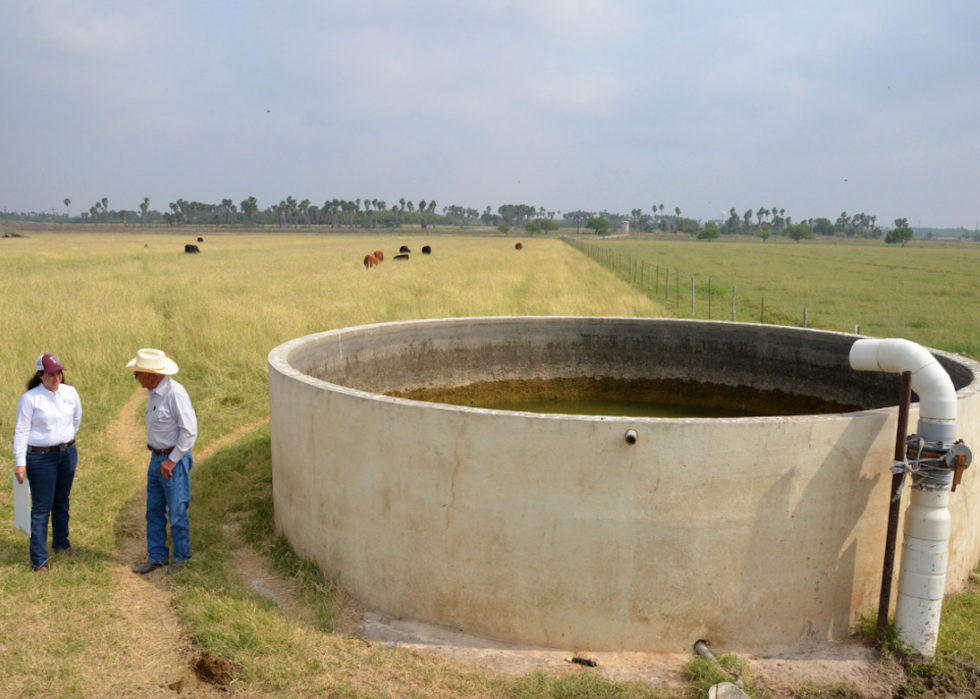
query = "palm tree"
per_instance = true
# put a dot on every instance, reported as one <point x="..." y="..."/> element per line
<point x="144" y="207"/>
<point x="105" y="208"/>
<point x="68" y="208"/>
<point x="124" y="215"/>
<point x="94" y="213"/>
<point x="304" y="207"/>
<point x="432" y="207"/>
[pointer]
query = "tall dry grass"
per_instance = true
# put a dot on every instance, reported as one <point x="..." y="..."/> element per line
<point x="94" y="300"/>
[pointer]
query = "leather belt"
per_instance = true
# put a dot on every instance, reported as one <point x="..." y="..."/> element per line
<point x="160" y="452"/>
<point x="57" y="447"/>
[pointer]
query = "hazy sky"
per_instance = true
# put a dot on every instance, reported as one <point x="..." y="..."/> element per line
<point x="814" y="107"/>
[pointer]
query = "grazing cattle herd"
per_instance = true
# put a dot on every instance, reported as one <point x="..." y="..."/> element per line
<point x="371" y="260"/>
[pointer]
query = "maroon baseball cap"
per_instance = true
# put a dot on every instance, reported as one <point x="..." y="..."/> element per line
<point x="49" y="363"/>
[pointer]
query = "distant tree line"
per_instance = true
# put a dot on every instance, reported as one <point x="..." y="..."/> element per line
<point x="763" y="222"/>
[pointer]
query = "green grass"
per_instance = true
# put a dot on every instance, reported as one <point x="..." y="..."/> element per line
<point x="928" y="294"/>
<point x="94" y="300"/>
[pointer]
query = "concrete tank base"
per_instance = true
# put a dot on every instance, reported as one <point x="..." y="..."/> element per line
<point x="552" y="530"/>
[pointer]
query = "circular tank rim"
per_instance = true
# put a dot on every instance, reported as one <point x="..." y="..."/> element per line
<point x="280" y="357"/>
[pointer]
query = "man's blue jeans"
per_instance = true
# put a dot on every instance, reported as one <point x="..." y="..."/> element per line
<point x="50" y="474"/>
<point x="168" y="498"/>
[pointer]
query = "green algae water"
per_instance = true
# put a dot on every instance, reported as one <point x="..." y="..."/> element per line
<point x="627" y="398"/>
<point x="617" y="408"/>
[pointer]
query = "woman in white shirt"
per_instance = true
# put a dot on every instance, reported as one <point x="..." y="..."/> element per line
<point x="48" y="415"/>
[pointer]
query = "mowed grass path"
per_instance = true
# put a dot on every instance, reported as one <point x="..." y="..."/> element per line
<point x="94" y="300"/>
<point x="929" y="293"/>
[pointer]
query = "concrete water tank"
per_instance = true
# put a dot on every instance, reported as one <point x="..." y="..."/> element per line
<point x="554" y="530"/>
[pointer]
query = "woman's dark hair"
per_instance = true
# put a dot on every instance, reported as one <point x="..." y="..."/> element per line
<point x="36" y="380"/>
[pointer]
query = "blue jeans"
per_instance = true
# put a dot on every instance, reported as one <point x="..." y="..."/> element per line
<point x="168" y="498"/>
<point x="50" y="475"/>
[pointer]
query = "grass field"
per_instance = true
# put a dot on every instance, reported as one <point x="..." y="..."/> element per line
<point x="84" y="630"/>
<point x="929" y="294"/>
<point x="94" y="300"/>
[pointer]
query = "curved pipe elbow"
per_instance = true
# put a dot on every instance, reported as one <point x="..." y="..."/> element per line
<point x="937" y="395"/>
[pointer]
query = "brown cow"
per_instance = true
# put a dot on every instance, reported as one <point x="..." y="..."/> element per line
<point x="380" y="255"/>
<point x="370" y="261"/>
<point x="519" y="246"/>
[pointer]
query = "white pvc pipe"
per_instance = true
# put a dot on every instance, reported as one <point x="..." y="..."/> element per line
<point x="925" y="549"/>
<point x="937" y="396"/>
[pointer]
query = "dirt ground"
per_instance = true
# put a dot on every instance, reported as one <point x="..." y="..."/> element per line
<point x="168" y="655"/>
<point x="780" y="670"/>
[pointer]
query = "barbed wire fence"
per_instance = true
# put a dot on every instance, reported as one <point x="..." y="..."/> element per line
<point x="690" y="295"/>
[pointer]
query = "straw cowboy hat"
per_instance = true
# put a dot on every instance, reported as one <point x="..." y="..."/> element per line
<point x="152" y="361"/>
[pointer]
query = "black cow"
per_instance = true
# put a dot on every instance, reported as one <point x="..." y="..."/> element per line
<point x="401" y="257"/>
<point x="200" y="240"/>
<point x="191" y="248"/>
<point x="404" y="248"/>
<point x="426" y="250"/>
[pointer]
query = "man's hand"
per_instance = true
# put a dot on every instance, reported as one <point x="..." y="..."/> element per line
<point x="166" y="468"/>
<point x="20" y="472"/>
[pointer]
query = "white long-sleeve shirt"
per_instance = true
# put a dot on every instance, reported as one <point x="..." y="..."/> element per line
<point x="170" y="419"/>
<point x="46" y="419"/>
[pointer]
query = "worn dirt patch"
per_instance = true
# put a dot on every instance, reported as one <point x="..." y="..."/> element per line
<point x="160" y="650"/>
<point x="780" y="670"/>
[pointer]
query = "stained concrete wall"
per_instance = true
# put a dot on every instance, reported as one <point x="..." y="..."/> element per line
<point x="551" y="530"/>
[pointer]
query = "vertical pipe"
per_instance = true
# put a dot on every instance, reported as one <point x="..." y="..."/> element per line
<point x="762" y="311"/>
<point x="692" y="297"/>
<point x="884" y="600"/>
<point x="657" y="289"/>
<point x="667" y="286"/>
<point x="733" y="304"/>
<point x="804" y="316"/>
<point x="709" y="298"/>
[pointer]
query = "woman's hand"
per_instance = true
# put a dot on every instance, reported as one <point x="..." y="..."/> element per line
<point x="20" y="472"/>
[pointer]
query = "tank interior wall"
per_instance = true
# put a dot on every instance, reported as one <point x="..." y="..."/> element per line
<point x="552" y="530"/>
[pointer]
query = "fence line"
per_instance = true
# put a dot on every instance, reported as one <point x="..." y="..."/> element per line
<point x="646" y="277"/>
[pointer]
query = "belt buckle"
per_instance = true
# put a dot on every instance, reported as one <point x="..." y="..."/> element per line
<point x="63" y="446"/>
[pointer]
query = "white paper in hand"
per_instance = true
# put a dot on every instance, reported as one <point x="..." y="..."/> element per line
<point x="22" y="506"/>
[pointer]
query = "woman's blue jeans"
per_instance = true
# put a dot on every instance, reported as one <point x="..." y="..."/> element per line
<point x="50" y="475"/>
<point x="168" y="498"/>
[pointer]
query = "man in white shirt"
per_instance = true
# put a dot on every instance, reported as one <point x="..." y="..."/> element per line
<point x="171" y="429"/>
